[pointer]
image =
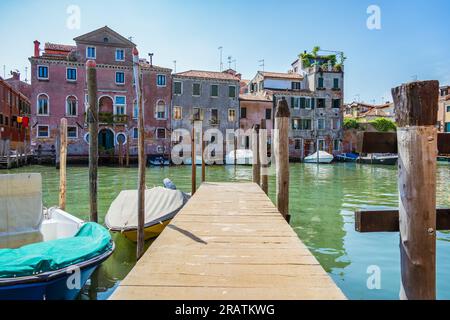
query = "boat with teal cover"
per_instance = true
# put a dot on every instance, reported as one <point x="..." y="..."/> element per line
<point x="47" y="254"/>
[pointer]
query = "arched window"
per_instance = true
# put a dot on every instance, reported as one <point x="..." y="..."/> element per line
<point x="71" y="106"/>
<point x="160" y="112"/>
<point x="42" y="105"/>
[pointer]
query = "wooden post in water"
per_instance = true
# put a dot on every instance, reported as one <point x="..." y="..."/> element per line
<point x="235" y="151"/>
<point x="62" y="163"/>
<point x="416" y="106"/>
<point x="255" y="151"/>
<point x="263" y="156"/>
<point x="203" y="159"/>
<point x="281" y="144"/>
<point x="193" y="162"/>
<point x="92" y="118"/>
<point x="141" y="156"/>
<point x="127" y="157"/>
<point x="121" y="153"/>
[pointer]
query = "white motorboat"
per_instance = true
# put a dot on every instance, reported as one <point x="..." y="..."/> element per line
<point x="319" y="157"/>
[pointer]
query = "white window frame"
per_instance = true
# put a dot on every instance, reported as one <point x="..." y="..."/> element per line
<point x="76" y="74"/>
<point x="178" y="94"/>
<point x="234" y="116"/>
<point x="156" y="108"/>
<point x="76" y="106"/>
<point x="332" y="124"/>
<point x="115" y="54"/>
<point x="324" y="124"/>
<point x="115" y="78"/>
<point x="200" y="89"/>
<point x="76" y="131"/>
<point x="319" y="141"/>
<point x="308" y="103"/>
<point x="37" y="72"/>
<point x="124" y="105"/>
<point x="37" y="131"/>
<point x="48" y="105"/>
<point x="339" y="145"/>
<point x="116" y="136"/>
<point x="87" y="52"/>
<point x="135" y="108"/>
<point x="165" y="80"/>
<point x="181" y="113"/>
<point x="135" y="129"/>
<point x="85" y="137"/>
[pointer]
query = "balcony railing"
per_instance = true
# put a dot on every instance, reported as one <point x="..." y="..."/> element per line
<point x="110" y="118"/>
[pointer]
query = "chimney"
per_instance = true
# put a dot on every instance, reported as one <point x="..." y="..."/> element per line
<point x="239" y="76"/>
<point x="15" y="75"/>
<point x="36" y="48"/>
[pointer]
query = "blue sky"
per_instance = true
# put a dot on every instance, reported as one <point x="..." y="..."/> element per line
<point x="413" y="40"/>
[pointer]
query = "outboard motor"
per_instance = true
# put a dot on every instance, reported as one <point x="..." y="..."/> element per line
<point x="168" y="184"/>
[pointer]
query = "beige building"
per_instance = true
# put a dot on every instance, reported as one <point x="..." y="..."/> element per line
<point x="444" y="109"/>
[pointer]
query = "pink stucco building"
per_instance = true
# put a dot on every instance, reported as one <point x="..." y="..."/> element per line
<point x="58" y="90"/>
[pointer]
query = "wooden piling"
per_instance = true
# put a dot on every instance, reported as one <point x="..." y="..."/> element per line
<point x="193" y="162"/>
<point x="127" y="156"/>
<point x="255" y="151"/>
<point x="416" y="106"/>
<point x="281" y="145"/>
<point x="92" y="118"/>
<point x="121" y="153"/>
<point x="263" y="157"/>
<point x="235" y="151"/>
<point x="141" y="156"/>
<point x="62" y="163"/>
<point x="203" y="160"/>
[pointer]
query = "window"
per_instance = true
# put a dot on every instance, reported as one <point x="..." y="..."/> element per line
<point x="197" y="114"/>
<point x="42" y="107"/>
<point x="321" y="103"/>
<point x="448" y="108"/>
<point x="336" y="83"/>
<point x="296" y="124"/>
<point x="42" y="72"/>
<point x="214" y="90"/>
<point x="335" y="123"/>
<point x="121" y="138"/>
<point x="214" y="116"/>
<point x="268" y="114"/>
<point x="232" y="91"/>
<point x="301" y="124"/>
<point x="135" y="110"/>
<point x="120" y="55"/>
<point x="161" y="80"/>
<point x="161" y="133"/>
<point x="336" y="145"/>
<point x="177" y="87"/>
<point x="177" y="113"/>
<point x="135" y="133"/>
<point x="321" y="145"/>
<point x="71" y="106"/>
<point x="160" y="112"/>
<point x="296" y="86"/>
<point x="196" y="89"/>
<point x="71" y="74"/>
<point x="120" y="105"/>
<point x="243" y="113"/>
<point x="320" y="83"/>
<point x="336" y="103"/>
<point x="261" y="86"/>
<point x="231" y="115"/>
<point x="72" y="132"/>
<point x="298" y="144"/>
<point x="295" y="102"/>
<point x="120" y="77"/>
<point x="90" y="53"/>
<point x="42" y="131"/>
<point x="320" y="124"/>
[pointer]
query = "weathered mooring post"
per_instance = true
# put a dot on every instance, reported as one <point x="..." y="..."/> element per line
<point x="92" y="118"/>
<point x="141" y="156"/>
<point x="263" y="157"/>
<point x="255" y="151"/>
<point x="416" y="106"/>
<point x="281" y="145"/>
<point x="121" y="153"/>
<point x="193" y="160"/>
<point x="62" y="163"/>
<point x="127" y="156"/>
<point x="203" y="159"/>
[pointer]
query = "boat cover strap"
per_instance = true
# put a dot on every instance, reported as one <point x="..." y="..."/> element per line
<point x="90" y="241"/>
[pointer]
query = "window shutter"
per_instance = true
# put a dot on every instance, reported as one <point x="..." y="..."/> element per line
<point x="313" y="103"/>
<point x="292" y="102"/>
<point x="302" y="103"/>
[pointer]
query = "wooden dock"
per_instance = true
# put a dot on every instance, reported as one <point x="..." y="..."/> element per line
<point x="229" y="242"/>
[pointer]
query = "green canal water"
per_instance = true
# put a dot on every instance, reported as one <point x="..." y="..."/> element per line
<point x="323" y="199"/>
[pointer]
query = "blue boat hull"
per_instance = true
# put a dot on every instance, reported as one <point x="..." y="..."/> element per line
<point x="56" y="289"/>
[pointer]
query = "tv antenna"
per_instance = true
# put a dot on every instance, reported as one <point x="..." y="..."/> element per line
<point x="262" y="64"/>
<point x="229" y="61"/>
<point x="221" y="62"/>
<point x="175" y="66"/>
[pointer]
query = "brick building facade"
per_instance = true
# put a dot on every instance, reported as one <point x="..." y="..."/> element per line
<point x="58" y="78"/>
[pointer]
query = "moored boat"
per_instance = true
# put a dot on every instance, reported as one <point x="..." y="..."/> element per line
<point x="384" y="159"/>
<point x="159" y="161"/>
<point x="347" y="157"/>
<point x="161" y="206"/>
<point x="319" y="157"/>
<point x="48" y="254"/>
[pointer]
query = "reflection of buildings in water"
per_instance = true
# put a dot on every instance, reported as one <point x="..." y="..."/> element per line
<point x="316" y="212"/>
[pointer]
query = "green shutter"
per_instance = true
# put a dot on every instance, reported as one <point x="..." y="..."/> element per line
<point x="292" y="102"/>
<point x="313" y="103"/>
<point x="302" y="103"/>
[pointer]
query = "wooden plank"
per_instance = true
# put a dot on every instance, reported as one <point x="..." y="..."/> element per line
<point x="386" y="142"/>
<point x="62" y="163"/>
<point x="242" y="255"/>
<point x="388" y="220"/>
